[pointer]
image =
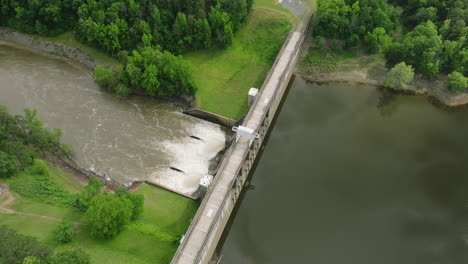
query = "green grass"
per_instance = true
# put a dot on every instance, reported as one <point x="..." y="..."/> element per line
<point x="69" y="39"/>
<point x="163" y="210"/>
<point x="224" y="76"/>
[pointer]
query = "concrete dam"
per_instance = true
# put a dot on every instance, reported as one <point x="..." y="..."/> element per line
<point x="199" y="243"/>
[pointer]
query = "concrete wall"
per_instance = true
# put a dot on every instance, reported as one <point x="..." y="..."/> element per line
<point x="200" y="241"/>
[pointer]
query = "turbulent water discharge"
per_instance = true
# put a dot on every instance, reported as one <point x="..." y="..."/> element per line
<point x="126" y="139"/>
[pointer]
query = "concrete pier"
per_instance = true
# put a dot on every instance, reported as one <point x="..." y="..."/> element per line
<point x="200" y="241"/>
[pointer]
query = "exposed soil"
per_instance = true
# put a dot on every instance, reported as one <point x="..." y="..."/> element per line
<point x="370" y="69"/>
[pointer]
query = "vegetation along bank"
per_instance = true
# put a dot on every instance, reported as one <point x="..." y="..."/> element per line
<point x="417" y="46"/>
<point x="47" y="216"/>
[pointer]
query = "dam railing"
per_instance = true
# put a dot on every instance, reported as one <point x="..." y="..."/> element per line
<point x="201" y="239"/>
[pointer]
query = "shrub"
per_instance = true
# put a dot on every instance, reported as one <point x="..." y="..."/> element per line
<point x="75" y="256"/>
<point x="457" y="82"/>
<point x="64" y="232"/>
<point x="400" y="76"/>
<point x="122" y="90"/>
<point x="8" y="165"/>
<point x="352" y="41"/>
<point x="105" y="77"/>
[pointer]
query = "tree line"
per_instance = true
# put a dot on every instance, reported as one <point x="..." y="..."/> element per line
<point x="125" y="27"/>
<point x="428" y="35"/>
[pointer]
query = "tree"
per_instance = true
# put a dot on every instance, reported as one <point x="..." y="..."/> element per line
<point x="14" y="247"/>
<point x="8" y="165"/>
<point x="457" y="82"/>
<point x="105" y="77"/>
<point x="137" y="201"/>
<point x="91" y="190"/>
<point x="64" y="232"/>
<point x="377" y="39"/>
<point x="400" y="76"/>
<point x="75" y="256"/>
<point x="107" y="215"/>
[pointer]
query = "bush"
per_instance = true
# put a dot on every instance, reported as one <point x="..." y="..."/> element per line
<point x="8" y="165"/>
<point x="457" y="82"/>
<point x="137" y="201"/>
<point x="320" y="42"/>
<point x="64" y="232"/>
<point x="75" y="256"/>
<point x="400" y="76"/>
<point x="39" y="186"/>
<point x="352" y="41"/>
<point x="105" y="77"/>
<point x="83" y="200"/>
<point x="122" y="90"/>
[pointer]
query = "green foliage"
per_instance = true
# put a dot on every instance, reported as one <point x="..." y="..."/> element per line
<point x="64" y="232"/>
<point x="352" y="41"/>
<point x="21" y="137"/>
<point x="31" y="260"/>
<point x="421" y="48"/>
<point x="340" y="19"/>
<point x="15" y="248"/>
<point x="83" y="200"/>
<point x="158" y="73"/>
<point x="107" y="215"/>
<point x="320" y="42"/>
<point x="377" y="39"/>
<point x="105" y="77"/>
<point x="123" y="90"/>
<point x="39" y="186"/>
<point x="136" y="200"/>
<point x="400" y="76"/>
<point x="75" y="256"/>
<point x="457" y="82"/>
<point x="8" y="166"/>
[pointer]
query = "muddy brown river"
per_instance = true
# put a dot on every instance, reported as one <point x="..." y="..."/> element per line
<point x="126" y="139"/>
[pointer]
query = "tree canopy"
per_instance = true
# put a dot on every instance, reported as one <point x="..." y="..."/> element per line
<point x="435" y="41"/>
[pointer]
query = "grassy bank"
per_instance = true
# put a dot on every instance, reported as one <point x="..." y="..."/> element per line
<point x="141" y="243"/>
<point x="224" y="76"/>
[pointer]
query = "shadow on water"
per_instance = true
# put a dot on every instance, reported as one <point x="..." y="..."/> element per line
<point x="248" y="187"/>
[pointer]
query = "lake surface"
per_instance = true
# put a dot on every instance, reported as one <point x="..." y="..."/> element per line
<point x="126" y="139"/>
<point x="357" y="175"/>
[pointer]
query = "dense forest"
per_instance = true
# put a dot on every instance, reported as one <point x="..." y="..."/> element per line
<point x="428" y="35"/>
<point x="143" y="34"/>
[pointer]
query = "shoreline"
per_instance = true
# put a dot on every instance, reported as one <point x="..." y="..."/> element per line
<point x="77" y="58"/>
<point x="436" y="89"/>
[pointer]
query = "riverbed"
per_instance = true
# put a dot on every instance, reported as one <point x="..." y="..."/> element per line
<point x="357" y="175"/>
<point x="126" y="139"/>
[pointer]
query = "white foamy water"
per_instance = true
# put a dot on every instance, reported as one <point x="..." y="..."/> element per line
<point x="132" y="139"/>
<point x="191" y="156"/>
